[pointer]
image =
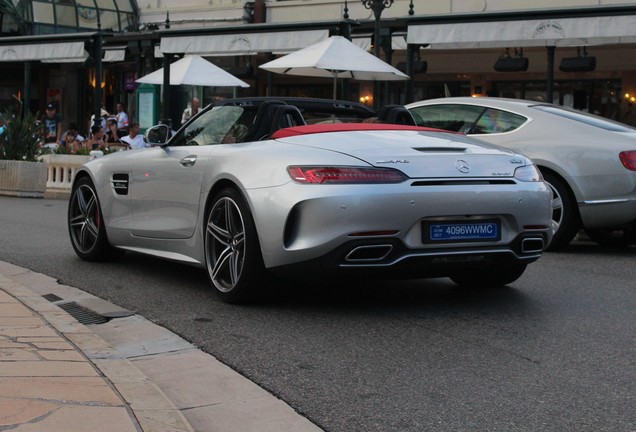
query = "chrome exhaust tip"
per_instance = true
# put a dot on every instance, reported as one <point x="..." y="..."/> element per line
<point x="532" y="245"/>
<point x="369" y="253"/>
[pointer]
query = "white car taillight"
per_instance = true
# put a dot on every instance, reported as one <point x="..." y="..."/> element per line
<point x="344" y="175"/>
<point x="628" y="159"/>
<point x="528" y="173"/>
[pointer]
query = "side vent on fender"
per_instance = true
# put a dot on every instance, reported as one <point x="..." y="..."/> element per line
<point x="119" y="183"/>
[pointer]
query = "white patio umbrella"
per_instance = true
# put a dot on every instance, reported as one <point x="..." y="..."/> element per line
<point x="194" y="70"/>
<point x="335" y="57"/>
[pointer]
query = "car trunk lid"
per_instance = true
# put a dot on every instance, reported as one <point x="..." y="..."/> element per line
<point x="419" y="154"/>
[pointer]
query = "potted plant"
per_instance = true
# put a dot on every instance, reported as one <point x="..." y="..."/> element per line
<point x="21" y="174"/>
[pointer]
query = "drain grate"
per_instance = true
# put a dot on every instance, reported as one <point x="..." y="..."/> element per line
<point x="52" y="297"/>
<point x="81" y="314"/>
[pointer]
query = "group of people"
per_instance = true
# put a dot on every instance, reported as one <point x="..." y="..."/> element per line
<point x="113" y="131"/>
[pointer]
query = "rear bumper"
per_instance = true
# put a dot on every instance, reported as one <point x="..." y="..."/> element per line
<point x="389" y="257"/>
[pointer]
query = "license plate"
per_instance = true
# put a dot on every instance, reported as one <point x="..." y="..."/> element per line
<point x="461" y="231"/>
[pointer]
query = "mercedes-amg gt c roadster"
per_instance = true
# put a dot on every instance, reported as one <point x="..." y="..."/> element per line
<point x="248" y="191"/>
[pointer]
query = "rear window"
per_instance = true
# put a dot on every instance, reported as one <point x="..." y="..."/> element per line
<point x="454" y="118"/>
<point x="470" y="119"/>
<point x="497" y="121"/>
<point x="589" y="119"/>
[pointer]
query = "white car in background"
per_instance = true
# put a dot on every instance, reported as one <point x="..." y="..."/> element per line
<point x="589" y="161"/>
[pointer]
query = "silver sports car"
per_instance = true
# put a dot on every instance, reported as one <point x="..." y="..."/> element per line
<point x="358" y="199"/>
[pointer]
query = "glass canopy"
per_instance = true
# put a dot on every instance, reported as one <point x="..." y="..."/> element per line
<point x="38" y="17"/>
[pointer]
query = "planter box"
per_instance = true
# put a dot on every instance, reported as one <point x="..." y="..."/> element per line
<point x="23" y="179"/>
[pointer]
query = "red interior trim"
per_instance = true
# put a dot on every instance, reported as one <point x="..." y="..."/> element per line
<point x="344" y="127"/>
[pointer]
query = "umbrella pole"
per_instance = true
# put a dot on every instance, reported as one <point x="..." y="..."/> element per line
<point x="335" y="80"/>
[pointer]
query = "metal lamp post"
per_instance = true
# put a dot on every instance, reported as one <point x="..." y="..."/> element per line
<point x="377" y="6"/>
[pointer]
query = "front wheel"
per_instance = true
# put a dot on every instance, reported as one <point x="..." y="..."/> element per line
<point x="232" y="251"/>
<point x="86" y="224"/>
<point x="490" y="276"/>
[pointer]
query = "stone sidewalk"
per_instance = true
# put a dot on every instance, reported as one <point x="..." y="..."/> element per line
<point x="122" y="374"/>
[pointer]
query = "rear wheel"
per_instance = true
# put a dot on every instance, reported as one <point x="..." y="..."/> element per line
<point x="613" y="238"/>
<point x="490" y="276"/>
<point x="565" y="214"/>
<point x="232" y="252"/>
<point x="86" y="224"/>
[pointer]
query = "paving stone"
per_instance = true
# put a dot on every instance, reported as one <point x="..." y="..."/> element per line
<point x="27" y="331"/>
<point x="15" y="411"/>
<point x="83" y="419"/>
<point x="20" y="321"/>
<point x="18" y="354"/>
<point x="93" y="390"/>
<point x="46" y="369"/>
<point x="59" y="345"/>
<point x="62" y="355"/>
<point x="14" y="310"/>
<point x="6" y="298"/>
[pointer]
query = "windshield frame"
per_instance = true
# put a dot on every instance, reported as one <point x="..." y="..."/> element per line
<point x="223" y="124"/>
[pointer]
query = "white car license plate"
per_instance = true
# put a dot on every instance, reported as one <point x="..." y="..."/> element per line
<point x="461" y="231"/>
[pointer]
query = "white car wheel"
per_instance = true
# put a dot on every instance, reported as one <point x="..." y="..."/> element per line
<point x="232" y="252"/>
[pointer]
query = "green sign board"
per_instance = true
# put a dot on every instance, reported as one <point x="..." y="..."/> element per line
<point x="147" y="106"/>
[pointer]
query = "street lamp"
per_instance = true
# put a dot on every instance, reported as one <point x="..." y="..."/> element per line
<point x="377" y="6"/>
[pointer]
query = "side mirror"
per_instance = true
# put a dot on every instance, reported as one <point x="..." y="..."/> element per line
<point x="157" y="135"/>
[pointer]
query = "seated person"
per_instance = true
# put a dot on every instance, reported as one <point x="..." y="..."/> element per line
<point x="96" y="141"/>
<point x="75" y="128"/>
<point x="112" y="134"/>
<point x="70" y="141"/>
<point x="134" y="139"/>
<point x="236" y="134"/>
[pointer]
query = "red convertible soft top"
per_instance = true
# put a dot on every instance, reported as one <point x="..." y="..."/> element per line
<point x="342" y="127"/>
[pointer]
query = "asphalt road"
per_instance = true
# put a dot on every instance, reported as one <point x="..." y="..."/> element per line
<point x="555" y="351"/>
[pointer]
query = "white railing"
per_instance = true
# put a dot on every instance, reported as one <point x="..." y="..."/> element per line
<point x="61" y="172"/>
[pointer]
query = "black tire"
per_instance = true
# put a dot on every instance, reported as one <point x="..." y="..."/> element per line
<point x="566" y="220"/>
<point x="491" y="276"/>
<point x="232" y="251"/>
<point x="617" y="238"/>
<point x="86" y="224"/>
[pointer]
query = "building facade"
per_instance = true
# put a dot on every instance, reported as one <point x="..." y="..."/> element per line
<point x="449" y="47"/>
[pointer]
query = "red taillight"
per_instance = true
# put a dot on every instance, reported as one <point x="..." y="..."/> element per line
<point x="628" y="159"/>
<point x="344" y="175"/>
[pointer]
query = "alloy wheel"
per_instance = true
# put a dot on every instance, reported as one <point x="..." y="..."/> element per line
<point x="557" y="209"/>
<point x="225" y="244"/>
<point x="84" y="219"/>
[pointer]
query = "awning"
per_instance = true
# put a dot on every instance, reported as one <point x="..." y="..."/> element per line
<point x="44" y="51"/>
<point x="114" y="54"/>
<point x="583" y="31"/>
<point x="364" y="42"/>
<point x="111" y="54"/>
<point x="242" y="44"/>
